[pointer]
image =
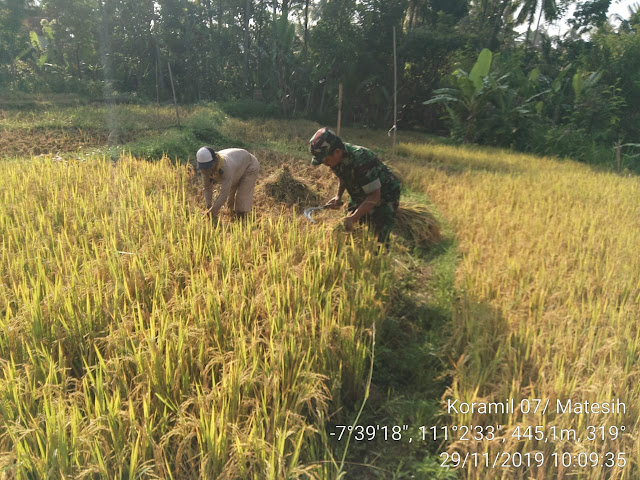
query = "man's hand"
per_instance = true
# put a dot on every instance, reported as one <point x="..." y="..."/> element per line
<point x="349" y="223"/>
<point x="334" y="203"/>
<point x="209" y="213"/>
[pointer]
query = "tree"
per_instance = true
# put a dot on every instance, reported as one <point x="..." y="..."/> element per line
<point x="548" y="8"/>
<point x="15" y="43"/>
<point x="494" y="106"/>
<point x="432" y="13"/>
<point x="468" y="98"/>
<point x="333" y="45"/>
<point x="493" y="21"/>
<point x="591" y="13"/>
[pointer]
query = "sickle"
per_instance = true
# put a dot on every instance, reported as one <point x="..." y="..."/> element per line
<point x="308" y="211"/>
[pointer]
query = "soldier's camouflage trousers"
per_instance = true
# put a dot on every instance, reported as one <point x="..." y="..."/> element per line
<point x="381" y="217"/>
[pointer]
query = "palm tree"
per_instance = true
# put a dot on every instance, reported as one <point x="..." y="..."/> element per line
<point x="627" y="24"/>
<point x="548" y="8"/>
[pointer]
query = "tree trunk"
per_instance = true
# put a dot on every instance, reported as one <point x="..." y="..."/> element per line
<point x="485" y="7"/>
<point x="528" y="38"/>
<point x="274" y="53"/>
<point x="306" y="25"/>
<point x="160" y="80"/>
<point x="188" y="36"/>
<point x="308" y="106"/>
<point x="78" y="63"/>
<point x="245" y="65"/>
<point x="413" y="12"/>
<point x="324" y="92"/>
<point x="258" y="68"/>
<point x="210" y="68"/>
<point x="156" y="48"/>
<point x="220" y="17"/>
<point x="535" y="34"/>
<point x="105" y="48"/>
<point x="491" y="41"/>
<point x="283" y="79"/>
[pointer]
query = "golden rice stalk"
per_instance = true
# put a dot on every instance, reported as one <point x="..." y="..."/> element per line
<point x="415" y="223"/>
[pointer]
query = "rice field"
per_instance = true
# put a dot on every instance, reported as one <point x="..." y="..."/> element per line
<point x="548" y="303"/>
<point x="138" y="340"/>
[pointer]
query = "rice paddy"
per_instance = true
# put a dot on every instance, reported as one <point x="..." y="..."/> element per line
<point x="139" y="340"/>
<point x="548" y="305"/>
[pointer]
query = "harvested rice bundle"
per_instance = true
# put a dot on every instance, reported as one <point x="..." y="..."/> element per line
<point x="416" y="223"/>
<point x="284" y="188"/>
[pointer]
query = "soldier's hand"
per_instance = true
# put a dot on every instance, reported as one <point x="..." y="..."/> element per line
<point x="349" y="223"/>
<point x="334" y="203"/>
<point x="209" y="213"/>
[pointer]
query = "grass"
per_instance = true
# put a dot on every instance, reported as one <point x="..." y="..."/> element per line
<point x="20" y="101"/>
<point x="151" y="131"/>
<point x="411" y="364"/>
<point x="81" y="132"/>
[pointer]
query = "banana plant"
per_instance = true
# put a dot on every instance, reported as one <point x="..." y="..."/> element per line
<point x="465" y="102"/>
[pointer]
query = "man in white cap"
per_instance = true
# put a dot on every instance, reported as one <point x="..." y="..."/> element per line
<point x="236" y="170"/>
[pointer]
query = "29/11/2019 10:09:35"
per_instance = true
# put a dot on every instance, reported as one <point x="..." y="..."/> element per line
<point x="534" y="460"/>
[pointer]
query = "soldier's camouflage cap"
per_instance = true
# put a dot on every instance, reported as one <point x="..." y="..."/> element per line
<point x="322" y="142"/>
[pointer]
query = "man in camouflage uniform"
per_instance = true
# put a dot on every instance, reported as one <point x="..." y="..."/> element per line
<point x="374" y="190"/>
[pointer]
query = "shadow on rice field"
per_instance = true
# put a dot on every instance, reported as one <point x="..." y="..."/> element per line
<point x="411" y="370"/>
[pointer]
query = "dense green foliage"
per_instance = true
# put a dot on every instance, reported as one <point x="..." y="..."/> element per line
<point x="576" y="99"/>
<point x="577" y="94"/>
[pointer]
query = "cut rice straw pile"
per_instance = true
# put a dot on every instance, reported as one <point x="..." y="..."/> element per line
<point x="416" y="224"/>
<point x="284" y="188"/>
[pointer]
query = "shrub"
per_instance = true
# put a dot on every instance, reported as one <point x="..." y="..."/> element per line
<point x="247" y="108"/>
